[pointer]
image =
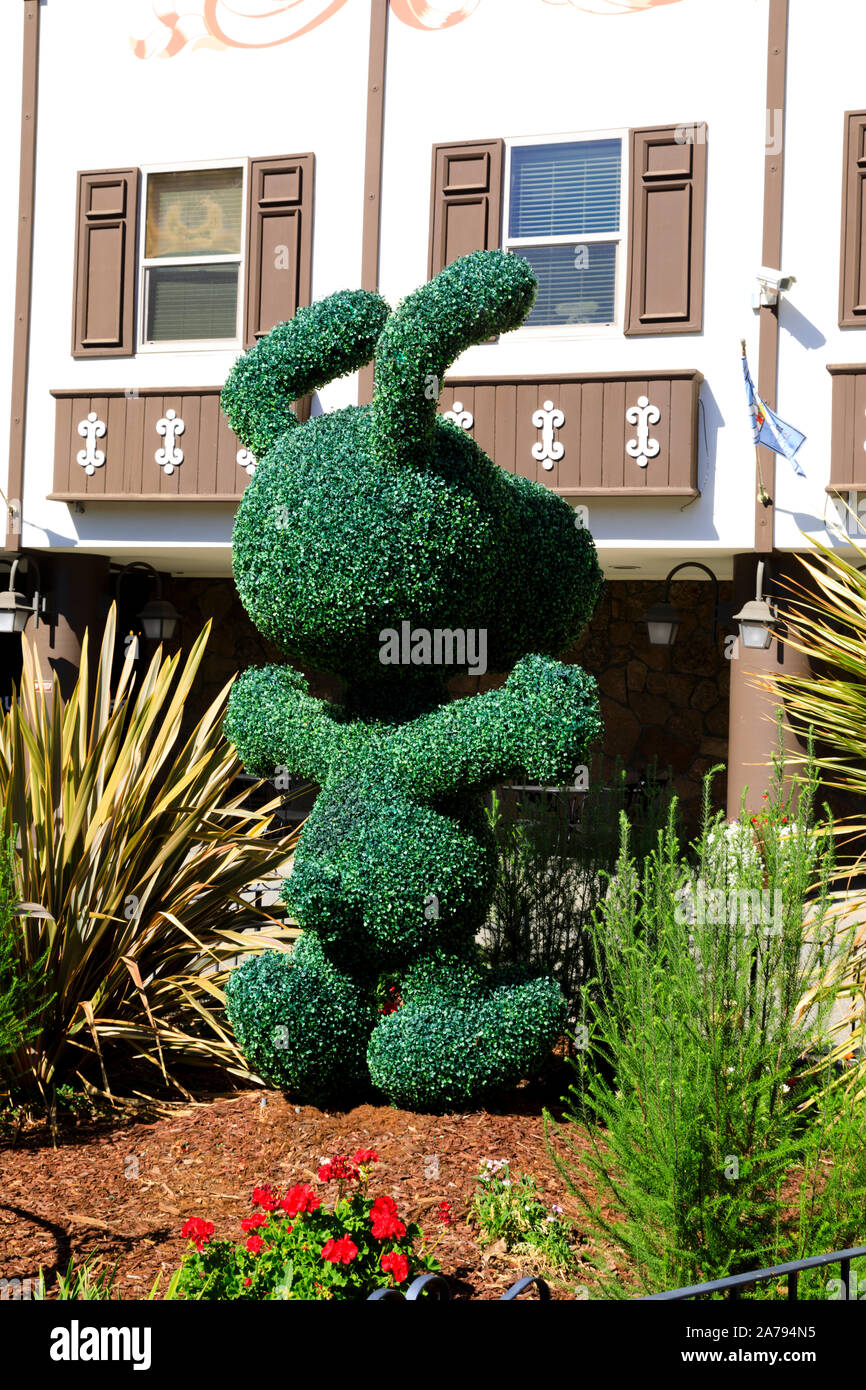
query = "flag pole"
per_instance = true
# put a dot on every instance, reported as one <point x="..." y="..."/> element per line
<point x="763" y="496"/>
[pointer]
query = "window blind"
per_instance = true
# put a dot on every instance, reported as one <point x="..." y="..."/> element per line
<point x="575" y="284"/>
<point x="196" y="212"/>
<point x="190" y="302"/>
<point x="565" y="188"/>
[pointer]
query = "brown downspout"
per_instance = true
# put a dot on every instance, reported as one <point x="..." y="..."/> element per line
<point x="23" y="274"/>
<point x="372" y="223"/>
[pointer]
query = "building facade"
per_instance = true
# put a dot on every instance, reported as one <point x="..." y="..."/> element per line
<point x="190" y="177"/>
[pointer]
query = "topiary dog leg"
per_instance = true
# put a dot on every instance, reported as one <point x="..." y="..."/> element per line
<point x="461" y="1035"/>
<point x="301" y="1023"/>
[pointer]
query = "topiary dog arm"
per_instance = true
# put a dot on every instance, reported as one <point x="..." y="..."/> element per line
<point x="540" y="722"/>
<point x="274" y="722"/>
<point x="481" y="294"/>
<point x="322" y="342"/>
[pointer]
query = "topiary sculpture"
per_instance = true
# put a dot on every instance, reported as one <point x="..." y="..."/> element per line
<point x="354" y="525"/>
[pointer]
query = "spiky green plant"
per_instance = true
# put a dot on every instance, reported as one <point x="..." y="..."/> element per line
<point x="131" y="857"/>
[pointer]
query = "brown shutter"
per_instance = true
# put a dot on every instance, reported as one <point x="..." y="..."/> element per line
<point x="666" y="230"/>
<point x="466" y="201"/>
<point x="103" y="315"/>
<point x="279" y="242"/>
<point x="852" y="288"/>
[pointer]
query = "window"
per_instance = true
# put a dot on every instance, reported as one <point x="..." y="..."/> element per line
<point x="564" y="214"/>
<point x="193" y="230"/>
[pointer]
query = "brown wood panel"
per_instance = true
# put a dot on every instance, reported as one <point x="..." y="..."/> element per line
<point x="206" y="455"/>
<point x="103" y="317"/>
<point x="570" y="397"/>
<point x="133" y="457"/>
<point x="591" y="434"/>
<point x="65" y="448"/>
<point x="683" y="434"/>
<point x="667" y="217"/>
<point x="852" y="274"/>
<point x="506" y="428"/>
<point x="484" y="410"/>
<point x="525" y="433"/>
<point x="230" y="477"/>
<point x="613" y="455"/>
<point x="279" y="241"/>
<point x="465" y="201"/>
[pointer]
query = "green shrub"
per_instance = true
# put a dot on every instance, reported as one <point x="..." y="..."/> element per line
<point x="686" y="1088"/>
<point x="23" y="986"/>
<point x="353" y="525"/>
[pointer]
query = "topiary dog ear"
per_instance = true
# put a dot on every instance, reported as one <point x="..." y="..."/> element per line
<point x="323" y="341"/>
<point x="474" y="297"/>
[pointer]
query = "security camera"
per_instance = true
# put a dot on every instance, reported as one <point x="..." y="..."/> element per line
<point x="775" y="279"/>
<point x="772" y="284"/>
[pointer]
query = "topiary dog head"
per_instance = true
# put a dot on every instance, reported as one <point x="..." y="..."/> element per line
<point x="361" y="520"/>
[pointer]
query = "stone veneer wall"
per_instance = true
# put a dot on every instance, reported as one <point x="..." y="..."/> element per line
<point x="657" y="702"/>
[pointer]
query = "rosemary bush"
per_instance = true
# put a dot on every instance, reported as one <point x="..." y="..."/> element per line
<point x="709" y="1112"/>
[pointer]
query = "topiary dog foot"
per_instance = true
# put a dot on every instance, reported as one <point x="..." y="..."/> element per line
<point x="301" y="1024"/>
<point x="463" y="1033"/>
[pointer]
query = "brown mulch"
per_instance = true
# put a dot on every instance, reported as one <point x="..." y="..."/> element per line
<point x="121" y="1189"/>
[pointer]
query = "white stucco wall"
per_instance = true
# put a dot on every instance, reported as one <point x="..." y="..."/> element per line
<point x="512" y="68"/>
<point x="10" y="124"/>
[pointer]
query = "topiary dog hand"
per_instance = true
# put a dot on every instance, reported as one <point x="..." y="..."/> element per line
<point x="540" y="722"/>
<point x="274" y="722"/>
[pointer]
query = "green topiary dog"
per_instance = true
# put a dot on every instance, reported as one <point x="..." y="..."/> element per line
<point x="354" y="525"/>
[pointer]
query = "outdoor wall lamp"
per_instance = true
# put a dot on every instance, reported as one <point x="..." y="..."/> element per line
<point x="663" y="620"/>
<point x="756" y="618"/>
<point x="158" y="617"/>
<point x="15" y="609"/>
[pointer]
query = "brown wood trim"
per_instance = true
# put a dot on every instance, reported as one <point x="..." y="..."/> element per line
<point x="774" y="183"/>
<point x="852" y="314"/>
<point x="23" y="275"/>
<point x="627" y="492"/>
<point x="97" y="281"/>
<point x="372" y="219"/>
<point x="484" y="196"/>
<point x="846" y="368"/>
<point x="193" y="499"/>
<point x="679" y="374"/>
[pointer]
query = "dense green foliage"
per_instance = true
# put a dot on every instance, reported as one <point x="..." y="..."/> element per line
<point x="355" y="525"/>
<point x="695" y="1072"/>
<point x="22" y="982"/>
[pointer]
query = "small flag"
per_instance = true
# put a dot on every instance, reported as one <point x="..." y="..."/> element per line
<point x="767" y="428"/>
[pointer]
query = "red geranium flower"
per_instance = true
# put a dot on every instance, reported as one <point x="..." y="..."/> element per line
<point x="264" y="1197"/>
<point x="300" y="1198"/>
<point x="386" y="1223"/>
<point x="340" y="1252"/>
<point x="339" y="1169"/>
<point x="251" y="1223"/>
<point x="445" y="1213"/>
<point x="255" y="1245"/>
<point x="397" y="1264"/>
<point x="197" y="1230"/>
<point x="365" y="1156"/>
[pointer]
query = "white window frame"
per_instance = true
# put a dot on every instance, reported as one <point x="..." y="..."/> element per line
<point x="509" y="243"/>
<point x="191" y="344"/>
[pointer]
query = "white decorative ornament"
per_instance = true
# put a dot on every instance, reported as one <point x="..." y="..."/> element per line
<point x="548" y="450"/>
<point x="170" y="426"/>
<point x="90" y="430"/>
<point x="459" y="416"/>
<point x="643" y="415"/>
<point x="247" y="460"/>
